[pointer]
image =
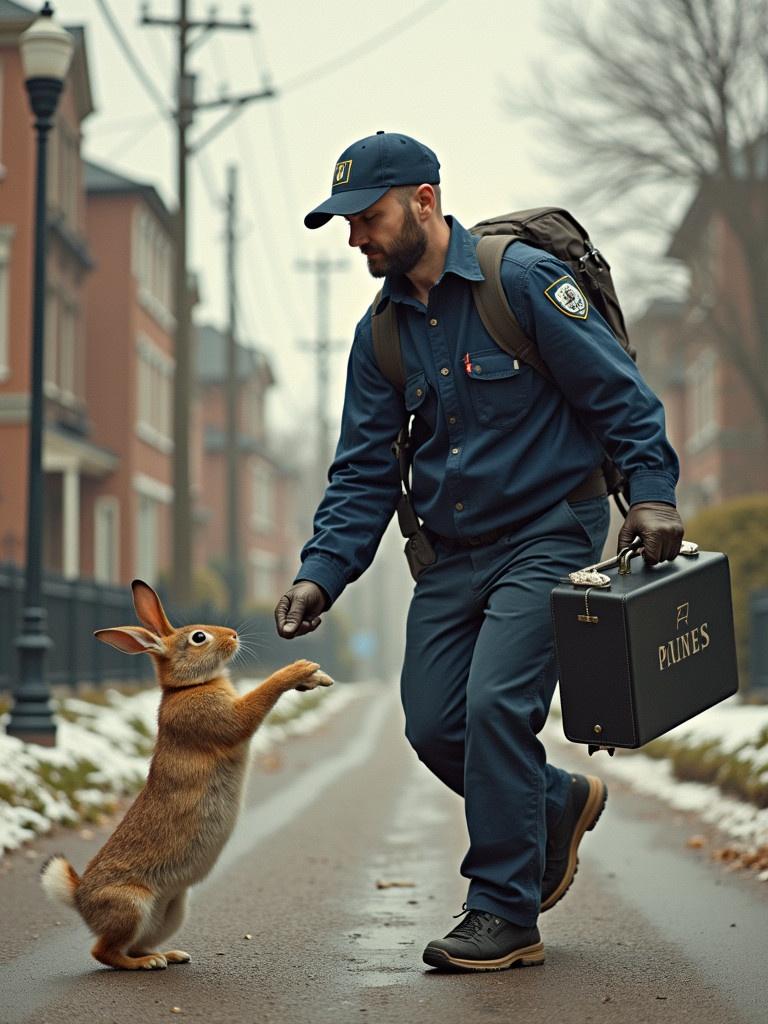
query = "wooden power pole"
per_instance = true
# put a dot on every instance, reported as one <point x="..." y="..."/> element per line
<point x="190" y="33"/>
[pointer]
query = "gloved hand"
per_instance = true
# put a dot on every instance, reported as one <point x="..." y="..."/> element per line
<point x="658" y="526"/>
<point x="298" y="610"/>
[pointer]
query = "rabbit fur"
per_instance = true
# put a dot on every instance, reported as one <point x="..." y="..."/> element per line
<point x="132" y="894"/>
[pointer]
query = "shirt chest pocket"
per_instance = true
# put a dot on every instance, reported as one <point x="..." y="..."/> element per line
<point x="499" y="386"/>
<point x="420" y="399"/>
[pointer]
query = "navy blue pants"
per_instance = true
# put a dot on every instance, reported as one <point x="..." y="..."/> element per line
<point x="477" y="682"/>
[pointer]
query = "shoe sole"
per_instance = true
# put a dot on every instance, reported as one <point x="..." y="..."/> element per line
<point x="590" y="815"/>
<point x="528" y="956"/>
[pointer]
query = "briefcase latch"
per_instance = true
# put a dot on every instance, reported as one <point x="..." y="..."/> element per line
<point x="592" y="577"/>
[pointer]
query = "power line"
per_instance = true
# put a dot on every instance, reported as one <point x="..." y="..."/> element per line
<point x="125" y="146"/>
<point x="270" y="239"/>
<point x="279" y="149"/>
<point x="117" y="125"/>
<point x="132" y="59"/>
<point x="206" y="176"/>
<point x="373" y="42"/>
<point x="321" y="70"/>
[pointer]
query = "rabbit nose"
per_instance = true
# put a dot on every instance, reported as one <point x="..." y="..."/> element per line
<point x="234" y="634"/>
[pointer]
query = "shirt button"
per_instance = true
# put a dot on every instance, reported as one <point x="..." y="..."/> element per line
<point x="445" y="371"/>
<point x="419" y="392"/>
<point x="477" y="369"/>
<point x="433" y="322"/>
<point x="459" y="506"/>
<point x="455" y="451"/>
<point x="451" y="419"/>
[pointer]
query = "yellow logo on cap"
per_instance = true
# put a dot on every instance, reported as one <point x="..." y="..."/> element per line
<point x="342" y="172"/>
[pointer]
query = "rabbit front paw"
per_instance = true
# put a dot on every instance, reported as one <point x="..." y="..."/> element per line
<point x="315" y="678"/>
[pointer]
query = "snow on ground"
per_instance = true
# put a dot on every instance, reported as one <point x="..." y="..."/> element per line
<point x="105" y="754"/>
<point x="733" y="725"/>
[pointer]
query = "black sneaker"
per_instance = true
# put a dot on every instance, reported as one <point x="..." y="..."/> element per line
<point x="586" y="801"/>
<point x="484" y="942"/>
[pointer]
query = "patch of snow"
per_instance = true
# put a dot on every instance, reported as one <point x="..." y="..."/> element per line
<point x="733" y="726"/>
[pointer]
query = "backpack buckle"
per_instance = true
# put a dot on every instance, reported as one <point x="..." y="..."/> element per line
<point x="596" y="257"/>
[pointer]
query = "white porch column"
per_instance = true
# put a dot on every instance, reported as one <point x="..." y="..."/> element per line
<point x="71" y="522"/>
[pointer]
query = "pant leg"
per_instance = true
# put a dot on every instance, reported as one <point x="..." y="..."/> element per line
<point x="510" y="790"/>
<point x="444" y="620"/>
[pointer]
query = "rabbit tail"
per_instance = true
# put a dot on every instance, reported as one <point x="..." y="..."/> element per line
<point x="60" y="880"/>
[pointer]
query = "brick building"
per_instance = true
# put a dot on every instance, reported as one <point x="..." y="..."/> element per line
<point x="129" y="376"/>
<point x="712" y="416"/>
<point x="74" y="458"/>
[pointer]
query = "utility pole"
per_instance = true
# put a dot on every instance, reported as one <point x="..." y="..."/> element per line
<point x="322" y="347"/>
<point x="234" y="567"/>
<point x="190" y="33"/>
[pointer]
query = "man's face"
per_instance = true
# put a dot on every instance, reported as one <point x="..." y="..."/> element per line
<point x="389" y="236"/>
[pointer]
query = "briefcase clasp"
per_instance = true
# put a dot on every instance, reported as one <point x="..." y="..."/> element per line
<point x="593" y="577"/>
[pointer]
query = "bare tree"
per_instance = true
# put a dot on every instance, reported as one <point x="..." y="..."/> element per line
<point x="669" y="96"/>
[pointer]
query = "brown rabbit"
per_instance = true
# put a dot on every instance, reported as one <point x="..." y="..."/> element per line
<point x="132" y="894"/>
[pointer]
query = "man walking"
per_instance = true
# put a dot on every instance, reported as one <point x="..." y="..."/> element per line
<point x="504" y="481"/>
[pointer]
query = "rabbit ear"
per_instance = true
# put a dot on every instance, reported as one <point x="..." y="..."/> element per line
<point x="149" y="609"/>
<point x="131" y="639"/>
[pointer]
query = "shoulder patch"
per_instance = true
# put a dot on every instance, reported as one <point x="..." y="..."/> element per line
<point x="568" y="297"/>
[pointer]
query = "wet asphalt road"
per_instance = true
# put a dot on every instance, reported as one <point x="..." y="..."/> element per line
<point x="651" y="931"/>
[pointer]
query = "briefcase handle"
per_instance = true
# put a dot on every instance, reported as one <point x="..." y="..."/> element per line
<point x="593" y="577"/>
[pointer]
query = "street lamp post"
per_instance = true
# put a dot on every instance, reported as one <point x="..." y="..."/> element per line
<point x="46" y="52"/>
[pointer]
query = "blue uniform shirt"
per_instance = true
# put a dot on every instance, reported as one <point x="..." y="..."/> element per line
<point x="495" y="442"/>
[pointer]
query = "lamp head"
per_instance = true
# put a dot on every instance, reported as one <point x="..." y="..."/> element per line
<point x="46" y="47"/>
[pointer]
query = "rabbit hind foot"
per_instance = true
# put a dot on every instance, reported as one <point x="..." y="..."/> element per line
<point x="177" y="956"/>
<point x="106" y="954"/>
<point x="173" y="956"/>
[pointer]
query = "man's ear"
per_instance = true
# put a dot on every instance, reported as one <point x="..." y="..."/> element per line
<point x="149" y="609"/>
<point x="131" y="640"/>
<point x="426" y="200"/>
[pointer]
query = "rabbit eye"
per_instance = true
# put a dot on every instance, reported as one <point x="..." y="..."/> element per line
<point x="198" y="638"/>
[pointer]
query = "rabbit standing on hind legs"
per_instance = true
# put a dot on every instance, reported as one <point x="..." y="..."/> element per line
<point x="132" y="894"/>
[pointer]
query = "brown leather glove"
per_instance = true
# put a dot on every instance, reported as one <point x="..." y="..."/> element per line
<point x="658" y="526"/>
<point x="298" y="610"/>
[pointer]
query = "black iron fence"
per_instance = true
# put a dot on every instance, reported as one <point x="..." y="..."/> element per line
<point x="77" y="607"/>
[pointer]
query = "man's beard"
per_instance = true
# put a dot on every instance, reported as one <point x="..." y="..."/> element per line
<point x="407" y="249"/>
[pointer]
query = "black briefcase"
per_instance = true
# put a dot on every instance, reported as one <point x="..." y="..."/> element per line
<point x="643" y="648"/>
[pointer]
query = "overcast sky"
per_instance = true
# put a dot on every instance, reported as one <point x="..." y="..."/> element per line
<point x="434" y="70"/>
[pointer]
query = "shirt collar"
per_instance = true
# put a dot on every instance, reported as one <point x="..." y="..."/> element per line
<point x="461" y="260"/>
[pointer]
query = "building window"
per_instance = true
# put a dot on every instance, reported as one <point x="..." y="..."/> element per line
<point x="264" y="565"/>
<point x="701" y="399"/>
<point x="154" y="381"/>
<point x="107" y="540"/>
<point x="63" y="172"/>
<point x="63" y="366"/>
<point x="262" y="497"/>
<point x="147" y="539"/>
<point x="6" y="237"/>
<point x="67" y="380"/>
<point x="152" y="264"/>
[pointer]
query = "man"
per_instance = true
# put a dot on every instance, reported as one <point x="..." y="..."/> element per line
<point x="501" y="460"/>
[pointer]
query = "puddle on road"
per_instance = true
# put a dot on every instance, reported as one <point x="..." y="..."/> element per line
<point x="384" y="936"/>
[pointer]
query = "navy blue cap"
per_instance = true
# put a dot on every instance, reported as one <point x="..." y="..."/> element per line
<point x="369" y="168"/>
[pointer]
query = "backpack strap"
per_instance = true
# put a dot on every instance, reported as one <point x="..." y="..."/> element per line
<point x="386" y="343"/>
<point x="494" y="309"/>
